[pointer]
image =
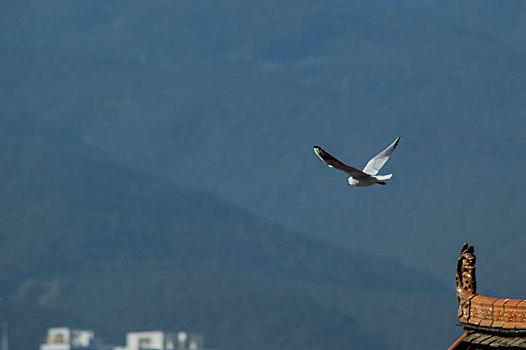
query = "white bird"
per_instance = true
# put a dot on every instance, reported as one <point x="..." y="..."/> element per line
<point x="361" y="178"/>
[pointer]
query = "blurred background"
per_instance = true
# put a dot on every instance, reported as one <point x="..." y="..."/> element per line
<point x="157" y="172"/>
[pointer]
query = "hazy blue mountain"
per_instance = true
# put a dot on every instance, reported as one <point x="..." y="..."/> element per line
<point x="230" y="97"/>
<point x="90" y="243"/>
<point x="501" y="20"/>
<point x="213" y="95"/>
<point x="99" y="210"/>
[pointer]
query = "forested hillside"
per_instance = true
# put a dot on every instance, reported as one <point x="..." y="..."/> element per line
<point x="88" y="242"/>
<point x="231" y="97"/>
<point x="172" y="141"/>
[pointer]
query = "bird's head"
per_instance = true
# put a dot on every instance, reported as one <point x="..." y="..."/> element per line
<point x="352" y="182"/>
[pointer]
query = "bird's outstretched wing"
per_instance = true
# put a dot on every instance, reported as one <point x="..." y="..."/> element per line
<point x="376" y="163"/>
<point x="336" y="164"/>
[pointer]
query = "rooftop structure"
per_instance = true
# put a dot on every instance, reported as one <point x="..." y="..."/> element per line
<point x="488" y="323"/>
<point x="158" y="340"/>
<point x="64" y="338"/>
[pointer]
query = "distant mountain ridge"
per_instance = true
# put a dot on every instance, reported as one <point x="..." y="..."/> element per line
<point x="249" y="101"/>
<point x="141" y="107"/>
<point x="79" y="229"/>
<point x="103" y="209"/>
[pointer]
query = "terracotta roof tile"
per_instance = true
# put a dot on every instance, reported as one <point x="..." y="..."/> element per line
<point x="511" y="313"/>
<point x="498" y="313"/>
<point x="481" y="310"/>
<point x="522" y="314"/>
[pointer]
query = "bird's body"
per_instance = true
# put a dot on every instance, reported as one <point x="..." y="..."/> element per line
<point x="361" y="178"/>
<point x="368" y="181"/>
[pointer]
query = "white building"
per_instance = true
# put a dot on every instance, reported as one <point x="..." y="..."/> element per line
<point x="158" y="340"/>
<point x="64" y="338"/>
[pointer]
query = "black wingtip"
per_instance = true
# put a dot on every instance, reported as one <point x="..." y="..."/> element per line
<point x="318" y="150"/>
<point x="396" y="142"/>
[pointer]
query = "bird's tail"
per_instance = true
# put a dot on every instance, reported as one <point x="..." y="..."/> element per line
<point x="384" y="177"/>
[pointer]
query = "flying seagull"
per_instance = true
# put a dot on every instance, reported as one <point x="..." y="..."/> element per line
<point x="365" y="177"/>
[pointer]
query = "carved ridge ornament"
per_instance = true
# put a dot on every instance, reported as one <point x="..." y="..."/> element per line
<point x="466" y="280"/>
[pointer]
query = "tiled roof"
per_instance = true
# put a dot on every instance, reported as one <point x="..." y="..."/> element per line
<point x="495" y="341"/>
<point x="490" y="312"/>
